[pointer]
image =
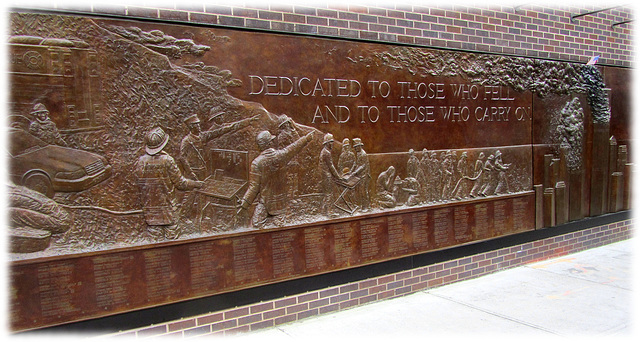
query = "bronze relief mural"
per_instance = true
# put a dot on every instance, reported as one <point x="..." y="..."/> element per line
<point x="129" y="139"/>
<point x="163" y="150"/>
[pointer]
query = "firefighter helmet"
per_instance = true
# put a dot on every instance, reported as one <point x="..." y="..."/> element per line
<point x="156" y="140"/>
<point x="264" y="139"/>
<point x="328" y="138"/>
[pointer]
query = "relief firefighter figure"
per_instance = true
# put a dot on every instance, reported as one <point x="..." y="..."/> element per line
<point x="462" y="190"/>
<point x="413" y="165"/>
<point x="329" y="175"/>
<point x="192" y="148"/>
<point x="432" y="171"/>
<point x="263" y="177"/>
<point x="415" y="172"/>
<point x="287" y="133"/>
<point x="476" y="177"/>
<point x="488" y="177"/>
<point x="362" y="170"/>
<point x="347" y="158"/>
<point x="158" y="178"/>
<point x="289" y="181"/>
<point x="501" y="168"/>
<point x="447" y="174"/>
<point x="386" y="188"/>
<point x="45" y="129"/>
<point x="194" y="158"/>
<point x="354" y="177"/>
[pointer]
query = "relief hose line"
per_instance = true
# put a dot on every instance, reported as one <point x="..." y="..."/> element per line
<point x="91" y="207"/>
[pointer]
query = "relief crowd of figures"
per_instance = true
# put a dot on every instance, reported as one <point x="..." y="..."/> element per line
<point x="171" y="203"/>
<point x="447" y="177"/>
<point x="170" y="200"/>
<point x="429" y="179"/>
<point x="345" y="187"/>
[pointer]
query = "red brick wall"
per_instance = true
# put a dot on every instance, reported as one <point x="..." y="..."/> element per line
<point x="332" y="299"/>
<point x="525" y="30"/>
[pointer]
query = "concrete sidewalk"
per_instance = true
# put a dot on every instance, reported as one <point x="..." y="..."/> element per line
<point x="587" y="294"/>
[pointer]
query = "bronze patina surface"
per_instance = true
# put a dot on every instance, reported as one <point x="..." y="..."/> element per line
<point x="153" y="163"/>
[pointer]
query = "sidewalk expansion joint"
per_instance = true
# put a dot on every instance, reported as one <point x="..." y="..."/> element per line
<point x="495" y="314"/>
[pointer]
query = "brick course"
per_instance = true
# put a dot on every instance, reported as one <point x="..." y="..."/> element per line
<point x="342" y="297"/>
<point x="526" y="30"/>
